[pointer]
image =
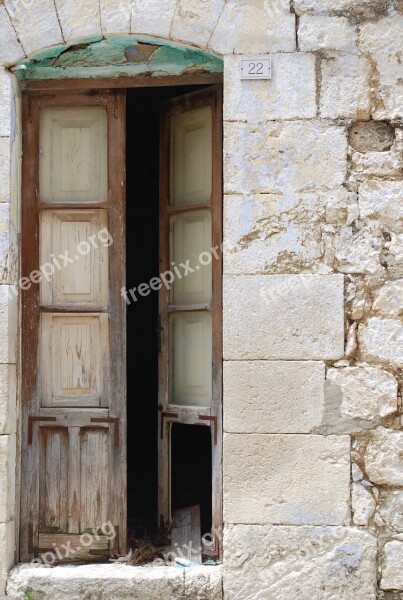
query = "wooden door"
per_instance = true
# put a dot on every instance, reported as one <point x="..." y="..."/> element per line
<point x="73" y="480"/>
<point x="190" y="364"/>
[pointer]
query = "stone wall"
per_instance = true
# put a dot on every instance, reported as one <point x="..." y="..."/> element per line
<point x="313" y="280"/>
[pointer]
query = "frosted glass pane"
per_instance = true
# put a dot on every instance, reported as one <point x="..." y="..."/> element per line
<point x="191" y="157"/>
<point x="73" y="155"/>
<point x="191" y="359"/>
<point x="190" y="238"/>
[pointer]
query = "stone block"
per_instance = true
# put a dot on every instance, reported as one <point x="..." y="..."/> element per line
<point x="382" y="201"/>
<point x="254" y="27"/>
<point x="8" y="325"/>
<point x="384" y="457"/>
<point x="36" y="23"/>
<point x="8" y="407"/>
<point x="156" y="20"/>
<point x="368" y="392"/>
<point x="383" y="40"/>
<point x="390" y="509"/>
<point x="10" y="50"/>
<point x="5" y="169"/>
<point x="195" y="21"/>
<point x="345" y="88"/>
<point x="371" y="136"/>
<point x="286" y="479"/>
<point x="286" y="157"/>
<point x="301" y="563"/>
<point x="8" y="246"/>
<point x="273" y="396"/>
<point x="363" y="504"/>
<point x="283" y="317"/>
<point x="317" y="32"/>
<point x="381" y="340"/>
<point x="7" y="546"/>
<point x="7" y="477"/>
<point x="6" y="100"/>
<point x="293" y="76"/>
<point x="388" y="300"/>
<point x="358" y="251"/>
<point x="377" y="164"/>
<point x="115" y="16"/>
<point x="79" y="19"/>
<point x="328" y="6"/>
<point x="117" y="582"/>
<point x="203" y="583"/>
<point x="392" y="567"/>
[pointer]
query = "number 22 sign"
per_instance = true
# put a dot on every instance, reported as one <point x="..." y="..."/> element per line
<point x="259" y="68"/>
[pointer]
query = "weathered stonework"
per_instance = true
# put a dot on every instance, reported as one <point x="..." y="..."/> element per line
<point x="8" y="405"/>
<point x="384" y="457"/>
<point x="317" y="32"/>
<point x="7" y="544"/>
<point x="259" y="487"/>
<point x="345" y="87"/>
<point x="392" y="578"/>
<point x="7" y="477"/>
<point x="279" y="563"/>
<point x="363" y="504"/>
<point x="381" y="340"/>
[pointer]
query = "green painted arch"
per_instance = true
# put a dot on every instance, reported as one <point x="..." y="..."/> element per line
<point x="115" y="56"/>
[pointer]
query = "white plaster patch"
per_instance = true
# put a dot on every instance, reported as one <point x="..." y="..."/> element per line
<point x="299" y="563"/>
<point x="286" y="479"/>
<point x="280" y="317"/>
<point x="368" y="392"/>
<point x="283" y="158"/>
<point x="273" y="396"/>
<point x="254" y="27"/>
<point x="293" y="76"/>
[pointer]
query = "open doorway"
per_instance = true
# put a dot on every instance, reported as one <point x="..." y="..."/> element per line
<point x="191" y="445"/>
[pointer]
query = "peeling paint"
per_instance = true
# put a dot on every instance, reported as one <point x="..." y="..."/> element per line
<point x="113" y="56"/>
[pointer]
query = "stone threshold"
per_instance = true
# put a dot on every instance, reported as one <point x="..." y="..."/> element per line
<point x="113" y="582"/>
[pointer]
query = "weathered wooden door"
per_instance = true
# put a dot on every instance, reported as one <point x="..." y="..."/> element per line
<point x="73" y="480"/>
<point x="190" y="365"/>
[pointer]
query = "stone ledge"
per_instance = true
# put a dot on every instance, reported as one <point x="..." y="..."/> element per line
<point x="101" y="581"/>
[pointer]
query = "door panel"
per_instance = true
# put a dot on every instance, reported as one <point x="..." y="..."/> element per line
<point x="73" y="393"/>
<point x="190" y="379"/>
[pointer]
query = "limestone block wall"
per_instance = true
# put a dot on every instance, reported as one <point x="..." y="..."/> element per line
<point x="313" y="280"/>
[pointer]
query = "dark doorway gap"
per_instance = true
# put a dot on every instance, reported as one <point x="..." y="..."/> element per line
<point x="192" y="444"/>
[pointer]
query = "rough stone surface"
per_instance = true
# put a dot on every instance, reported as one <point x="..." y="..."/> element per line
<point x="383" y="41"/>
<point x="6" y="99"/>
<point x="358" y="250"/>
<point x="115" y="15"/>
<point x="316" y="32"/>
<point x="286" y="479"/>
<point x="289" y="317"/>
<point x="273" y="396"/>
<point x="381" y="340"/>
<point x="8" y="246"/>
<point x="8" y="325"/>
<point x="382" y="201"/>
<point x="388" y="300"/>
<point x="392" y="573"/>
<point x="4" y="169"/>
<point x="254" y="27"/>
<point x="114" y="581"/>
<point x="283" y="157"/>
<point x="305" y="563"/>
<point x="293" y="75"/>
<point x="345" y="87"/>
<point x="368" y="392"/>
<point x="325" y="6"/>
<point x="10" y="49"/>
<point x="156" y="20"/>
<point x="7" y="399"/>
<point x="378" y="164"/>
<point x="363" y="504"/>
<point x="195" y="20"/>
<point x="7" y="544"/>
<point x="36" y="23"/>
<point x="390" y="509"/>
<point x="384" y="457"/>
<point x="78" y="19"/>
<point x="7" y="477"/>
<point x="371" y="136"/>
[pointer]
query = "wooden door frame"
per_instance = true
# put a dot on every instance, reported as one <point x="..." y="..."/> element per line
<point x="50" y="88"/>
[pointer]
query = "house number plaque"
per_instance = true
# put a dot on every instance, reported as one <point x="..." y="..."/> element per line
<point x="259" y="68"/>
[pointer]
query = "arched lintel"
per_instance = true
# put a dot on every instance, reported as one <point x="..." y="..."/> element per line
<point x="118" y="57"/>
